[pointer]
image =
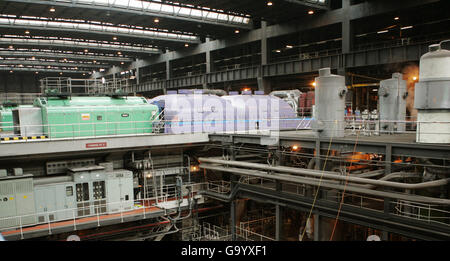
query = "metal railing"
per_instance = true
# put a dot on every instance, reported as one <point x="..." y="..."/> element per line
<point x="419" y="211"/>
<point x="100" y="212"/>
<point x="82" y="86"/>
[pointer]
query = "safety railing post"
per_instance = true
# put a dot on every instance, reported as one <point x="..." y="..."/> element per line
<point x="49" y="227"/>
<point x="20" y="224"/>
<point x="74" y="222"/>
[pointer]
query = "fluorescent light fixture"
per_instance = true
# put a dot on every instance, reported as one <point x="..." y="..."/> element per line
<point x="382" y="32"/>
<point x="406" y="27"/>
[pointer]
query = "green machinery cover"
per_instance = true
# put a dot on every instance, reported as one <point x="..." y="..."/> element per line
<point x="96" y="116"/>
<point x="6" y="120"/>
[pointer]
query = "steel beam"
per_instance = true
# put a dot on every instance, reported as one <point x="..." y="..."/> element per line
<point x="70" y="145"/>
<point x="40" y="70"/>
<point x="77" y="44"/>
<point x="97" y="29"/>
<point x="133" y="10"/>
<point x="49" y="63"/>
<point x="372" y="218"/>
<point x="45" y="54"/>
<point x="357" y="11"/>
<point x="316" y="5"/>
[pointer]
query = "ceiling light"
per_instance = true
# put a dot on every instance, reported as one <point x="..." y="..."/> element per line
<point x="236" y="31"/>
<point x="94" y="61"/>
<point x="406" y="27"/>
<point x="11" y="71"/>
<point x="60" y="73"/>
<point x="84" y="74"/>
<point x="10" y="47"/>
<point x="396" y="18"/>
<point x="85" y="50"/>
<point x="119" y="53"/>
<point x="52" y="9"/>
<point x="310" y="12"/>
<point x="156" y="20"/>
<point x="114" y="38"/>
<point x="36" y="72"/>
<point x="27" y="32"/>
<point x="382" y="32"/>
<point x="314" y="84"/>
<point x="122" y="63"/>
<point x="289" y="46"/>
<point x="186" y="45"/>
<point x="278" y="51"/>
<point x="33" y="58"/>
<point x="269" y="3"/>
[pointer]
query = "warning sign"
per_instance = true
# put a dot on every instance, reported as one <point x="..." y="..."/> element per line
<point x="96" y="145"/>
<point x="85" y="116"/>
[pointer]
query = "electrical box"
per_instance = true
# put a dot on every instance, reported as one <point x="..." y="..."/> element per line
<point x="119" y="191"/>
<point x="16" y="201"/>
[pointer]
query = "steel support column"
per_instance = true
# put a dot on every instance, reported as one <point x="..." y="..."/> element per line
<point x="316" y="227"/>
<point x="233" y="220"/>
<point x="279" y="223"/>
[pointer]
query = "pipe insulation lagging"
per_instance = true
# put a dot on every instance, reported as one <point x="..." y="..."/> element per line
<point x="325" y="184"/>
<point x="327" y="174"/>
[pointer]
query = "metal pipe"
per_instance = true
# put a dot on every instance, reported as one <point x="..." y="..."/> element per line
<point x="328" y="174"/>
<point x="315" y="182"/>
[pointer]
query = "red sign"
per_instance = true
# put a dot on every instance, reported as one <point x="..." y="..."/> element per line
<point x="96" y="145"/>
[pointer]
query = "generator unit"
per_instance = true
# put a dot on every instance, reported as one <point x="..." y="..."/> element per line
<point x="63" y="117"/>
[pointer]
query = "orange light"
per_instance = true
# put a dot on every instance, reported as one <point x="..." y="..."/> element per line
<point x="246" y="89"/>
<point x="314" y="84"/>
<point x="414" y="78"/>
<point x="295" y="147"/>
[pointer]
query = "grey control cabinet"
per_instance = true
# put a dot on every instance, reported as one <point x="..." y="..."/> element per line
<point x="16" y="201"/>
<point x="54" y="202"/>
<point x="90" y="190"/>
<point x="119" y="191"/>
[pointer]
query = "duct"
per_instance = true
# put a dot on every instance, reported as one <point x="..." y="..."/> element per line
<point x="49" y="180"/>
<point x="329" y="175"/>
<point x="316" y="182"/>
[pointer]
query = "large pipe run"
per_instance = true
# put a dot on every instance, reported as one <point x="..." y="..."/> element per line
<point x="315" y="182"/>
<point x="328" y="174"/>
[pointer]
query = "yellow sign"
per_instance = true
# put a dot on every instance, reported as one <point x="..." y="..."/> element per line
<point x="85" y="116"/>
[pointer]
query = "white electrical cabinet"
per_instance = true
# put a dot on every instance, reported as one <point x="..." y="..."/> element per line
<point x="119" y="191"/>
<point x="16" y="201"/>
<point x="54" y="202"/>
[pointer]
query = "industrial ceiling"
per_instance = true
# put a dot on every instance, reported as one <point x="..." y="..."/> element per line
<point x="81" y="36"/>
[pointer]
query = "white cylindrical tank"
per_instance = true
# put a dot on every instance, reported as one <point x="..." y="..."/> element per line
<point x="330" y="104"/>
<point x="432" y="96"/>
<point x="392" y="104"/>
